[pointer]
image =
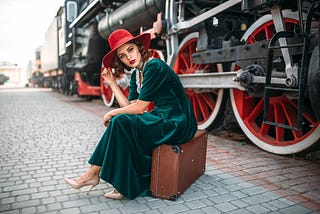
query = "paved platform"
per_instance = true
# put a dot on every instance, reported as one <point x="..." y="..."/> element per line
<point x="45" y="136"/>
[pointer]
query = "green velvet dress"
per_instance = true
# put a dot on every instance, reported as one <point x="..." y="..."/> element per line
<point x="125" y="149"/>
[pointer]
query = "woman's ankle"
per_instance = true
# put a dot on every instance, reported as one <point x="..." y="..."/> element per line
<point x="92" y="173"/>
<point x="94" y="170"/>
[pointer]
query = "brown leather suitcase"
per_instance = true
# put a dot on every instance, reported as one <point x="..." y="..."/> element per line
<point x="175" y="168"/>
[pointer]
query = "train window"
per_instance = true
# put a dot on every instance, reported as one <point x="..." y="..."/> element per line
<point x="71" y="11"/>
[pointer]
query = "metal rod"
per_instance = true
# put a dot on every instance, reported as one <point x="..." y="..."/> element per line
<point x="187" y="24"/>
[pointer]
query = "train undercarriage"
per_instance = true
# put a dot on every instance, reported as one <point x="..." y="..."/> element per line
<point x="261" y="57"/>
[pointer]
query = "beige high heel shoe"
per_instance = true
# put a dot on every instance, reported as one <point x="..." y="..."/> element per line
<point x="114" y="195"/>
<point x="75" y="185"/>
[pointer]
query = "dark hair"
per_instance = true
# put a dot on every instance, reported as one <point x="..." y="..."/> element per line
<point x="119" y="66"/>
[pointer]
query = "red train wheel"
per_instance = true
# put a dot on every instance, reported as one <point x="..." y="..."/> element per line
<point x="156" y="54"/>
<point x="207" y="106"/>
<point x="248" y="110"/>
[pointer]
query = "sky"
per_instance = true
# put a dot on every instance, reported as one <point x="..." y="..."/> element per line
<point x="23" y="25"/>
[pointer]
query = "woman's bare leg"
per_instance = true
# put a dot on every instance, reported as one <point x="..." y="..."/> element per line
<point x="91" y="174"/>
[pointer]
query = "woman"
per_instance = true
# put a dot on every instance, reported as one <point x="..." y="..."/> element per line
<point x="123" y="154"/>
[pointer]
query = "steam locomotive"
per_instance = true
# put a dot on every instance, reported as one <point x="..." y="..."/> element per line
<point x="259" y="57"/>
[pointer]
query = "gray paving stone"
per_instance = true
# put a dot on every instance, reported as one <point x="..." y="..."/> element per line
<point x="94" y="208"/>
<point x="239" y="203"/>
<point x="271" y="195"/>
<point x="193" y="196"/>
<point x="55" y="207"/>
<point x="222" y="198"/>
<point x="220" y="189"/>
<point x="207" y="202"/>
<point x="29" y="210"/>
<point x="258" y="209"/>
<point x="76" y="203"/>
<point x="253" y="190"/>
<point x="46" y="140"/>
<point x="193" y="212"/>
<point x="15" y="187"/>
<point x="39" y="195"/>
<point x="47" y="188"/>
<point x="114" y="203"/>
<point x="24" y="191"/>
<point x="156" y="204"/>
<point x="133" y="208"/>
<point x="256" y="199"/>
<point x="41" y="209"/>
<point x="75" y="210"/>
<point x="295" y="209"/>
<point x="269" y="206"/>
<point x="110" y="211"/>
<point x="233" y="187"/>
<point x="210" y="192"/>
<point x="196" y="204"/>
<point x="205" y="186"/>
<point x="48" y="200"/>
<point x="152" y="212"/>
<point x="174" y="209"/>
<point x="290" y="203"/>
<point x="62" y="198"/>
<point x="23" y="204"/>
<point x="225" y="207"/>
<point x="279" y="204"/>
<point x="95" y="200"/>
<point x="240" y="211"/>
<point x="7" y="200"/>
<point x="239" y="194"/>
<point x="211" y="210"/>
<point x="5" y="207"/>
<point x="23" y="198"/>
<point x="12" y="212"/>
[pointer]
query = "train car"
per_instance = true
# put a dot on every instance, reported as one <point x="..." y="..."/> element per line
<point x="260" y="58"/>
<point x="49" y="56"/>
<point x="71" y="57"/>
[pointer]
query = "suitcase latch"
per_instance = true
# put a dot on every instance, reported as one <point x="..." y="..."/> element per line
<point x="177" y="149"/>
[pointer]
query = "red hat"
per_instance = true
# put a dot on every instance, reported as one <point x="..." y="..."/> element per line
<point x="120" y="37"/>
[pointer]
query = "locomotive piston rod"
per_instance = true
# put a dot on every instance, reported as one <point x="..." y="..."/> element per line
<point x="225" y="80"/>
<point x="210" y="80"/>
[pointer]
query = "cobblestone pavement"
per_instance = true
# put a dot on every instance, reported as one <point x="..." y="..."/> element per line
<point x="45" y="137"/>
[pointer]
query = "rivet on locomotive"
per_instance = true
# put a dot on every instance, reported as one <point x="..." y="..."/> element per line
<point x="255" y="59"/>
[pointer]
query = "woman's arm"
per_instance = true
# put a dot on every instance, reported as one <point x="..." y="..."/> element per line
<point x="109" y="78"/>
<point x="137" y="107"/>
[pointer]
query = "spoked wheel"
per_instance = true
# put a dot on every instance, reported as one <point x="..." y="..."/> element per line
<point x="283" y="108"/>
<point x="208" y="107"/>
<point x="156" y="54"/>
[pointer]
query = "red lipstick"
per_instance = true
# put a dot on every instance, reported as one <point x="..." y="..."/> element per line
<point x="132" y="62"/>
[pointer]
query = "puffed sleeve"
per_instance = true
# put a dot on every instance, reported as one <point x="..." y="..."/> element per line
<point x="133" y="94"/>
<point x="154" y="77"/>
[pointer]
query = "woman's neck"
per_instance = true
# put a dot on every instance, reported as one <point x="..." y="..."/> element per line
<point x="143" y="63"/>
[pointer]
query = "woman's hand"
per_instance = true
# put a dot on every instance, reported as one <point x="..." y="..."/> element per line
<point x="106" y="119"/>
<point x="108" y="75"/>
